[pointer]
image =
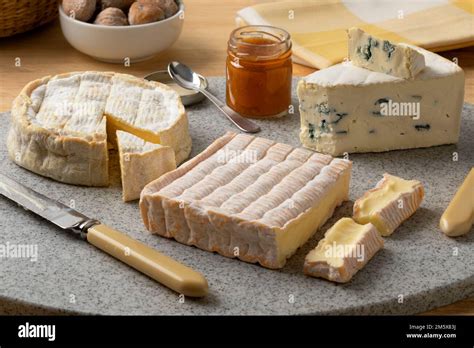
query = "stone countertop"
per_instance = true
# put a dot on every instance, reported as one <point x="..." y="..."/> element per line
<point x="419" y="263"/>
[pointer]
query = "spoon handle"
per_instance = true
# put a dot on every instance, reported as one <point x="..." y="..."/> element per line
<point x="242" y="123"/>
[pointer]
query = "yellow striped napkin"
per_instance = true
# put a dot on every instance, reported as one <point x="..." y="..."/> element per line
<point x="318" y="27"/>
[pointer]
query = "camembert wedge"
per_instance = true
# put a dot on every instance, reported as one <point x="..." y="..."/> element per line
<point x="400" y="60"/>
<point x="141" y="162"/>
<point x="61" y="124"/>
<point x="344" y="250"/>
<point x="392" y="201"/>
<point x="247" y="197"/>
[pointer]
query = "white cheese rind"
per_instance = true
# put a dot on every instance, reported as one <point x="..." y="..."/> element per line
<point x="345" y="249"/>
<point x="367" y="51"/>
<point x="392" y="201"/>
<point x="59" y="123"/>
<point x="261" y="210"/>
<point x="341" y="106"/>
<point x="141" y="162"/>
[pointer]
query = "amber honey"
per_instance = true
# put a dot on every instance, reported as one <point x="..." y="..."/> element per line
<point x="259" y="71"/>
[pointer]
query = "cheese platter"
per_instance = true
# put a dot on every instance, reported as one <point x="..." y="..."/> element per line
<point x="419" y="267"/>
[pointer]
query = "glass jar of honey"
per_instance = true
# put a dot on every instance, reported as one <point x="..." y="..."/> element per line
<point x="259" y="71"/>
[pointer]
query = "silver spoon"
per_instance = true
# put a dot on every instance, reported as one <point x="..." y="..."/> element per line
<point x="188" y="79"/>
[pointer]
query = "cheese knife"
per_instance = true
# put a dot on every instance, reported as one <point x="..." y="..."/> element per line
<point x="157" y="266"/>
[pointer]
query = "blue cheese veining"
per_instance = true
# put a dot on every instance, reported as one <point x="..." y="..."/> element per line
<point x="400" y="60"/>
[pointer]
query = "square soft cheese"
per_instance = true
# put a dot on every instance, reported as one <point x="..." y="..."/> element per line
<point x="247" y="197"/>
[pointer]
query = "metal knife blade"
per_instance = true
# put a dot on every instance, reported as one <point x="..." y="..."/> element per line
<point x="143" y="258"/>
<point x="59" y="214"/>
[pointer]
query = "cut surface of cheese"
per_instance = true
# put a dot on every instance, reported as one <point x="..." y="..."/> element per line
<point x="367" y="51"/>
<point x="140" y="163"/>
<point x="392" y="201"/>
<point x="60" y="124"/>
<point x="247" y="197"/>
<point x="458" y="217"/>
<point x="344" y="250"/>
<point x="345" y="108"/>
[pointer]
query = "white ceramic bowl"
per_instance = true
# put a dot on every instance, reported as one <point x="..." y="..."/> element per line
<point x="116" y="44"/>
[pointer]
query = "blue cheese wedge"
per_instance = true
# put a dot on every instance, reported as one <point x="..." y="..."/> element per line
<point x="392" y="201"/>
<point x="141" y="162"/>
<point x="347" y="109"/>
<point x="400" y="60"/>
<point x="344" y="250"/>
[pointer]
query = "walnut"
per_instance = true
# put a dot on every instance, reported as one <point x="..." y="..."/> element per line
<point x="79" y="9"/>
<point x="145" y="11"/>
<point x="111" y="16"/>
<point x="124" y="5"/>
<point x="169" y="7"/>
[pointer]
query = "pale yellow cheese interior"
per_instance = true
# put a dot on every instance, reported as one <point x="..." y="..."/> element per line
<point x="346" y="232"/>
<point x="115" y="124"/>
<point x="299" y="231"/>
<point x="376" y="200"/>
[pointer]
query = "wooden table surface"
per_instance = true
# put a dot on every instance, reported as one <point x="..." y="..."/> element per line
<point x="201" y="45"/>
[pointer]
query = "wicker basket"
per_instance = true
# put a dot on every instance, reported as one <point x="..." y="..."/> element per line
<point x="18" y="16"/>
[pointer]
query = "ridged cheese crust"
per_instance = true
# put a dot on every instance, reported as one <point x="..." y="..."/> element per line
<point x="363" y="237"/>
<point x="247" y="197"/>
<point x="60" y="124"/>
<point x="402" y="203"/>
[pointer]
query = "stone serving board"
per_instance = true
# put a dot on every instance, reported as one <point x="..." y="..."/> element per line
<point x="419" y="269"/>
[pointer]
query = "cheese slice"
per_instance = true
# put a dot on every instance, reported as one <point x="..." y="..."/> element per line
<point x="141" y="162"/>
<point x="347" y="109"/>
<point x="458" y="217"/>
<point x="247" y="197"/>
<point x="400" y="60"/>
<point x="61" y="124"/>
<point x="392" y="201"/>
<point x="344" y="250"/>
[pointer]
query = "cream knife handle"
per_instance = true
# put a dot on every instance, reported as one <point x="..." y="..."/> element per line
<point x="161" y="268"/>
<point x="458" y="217"/>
